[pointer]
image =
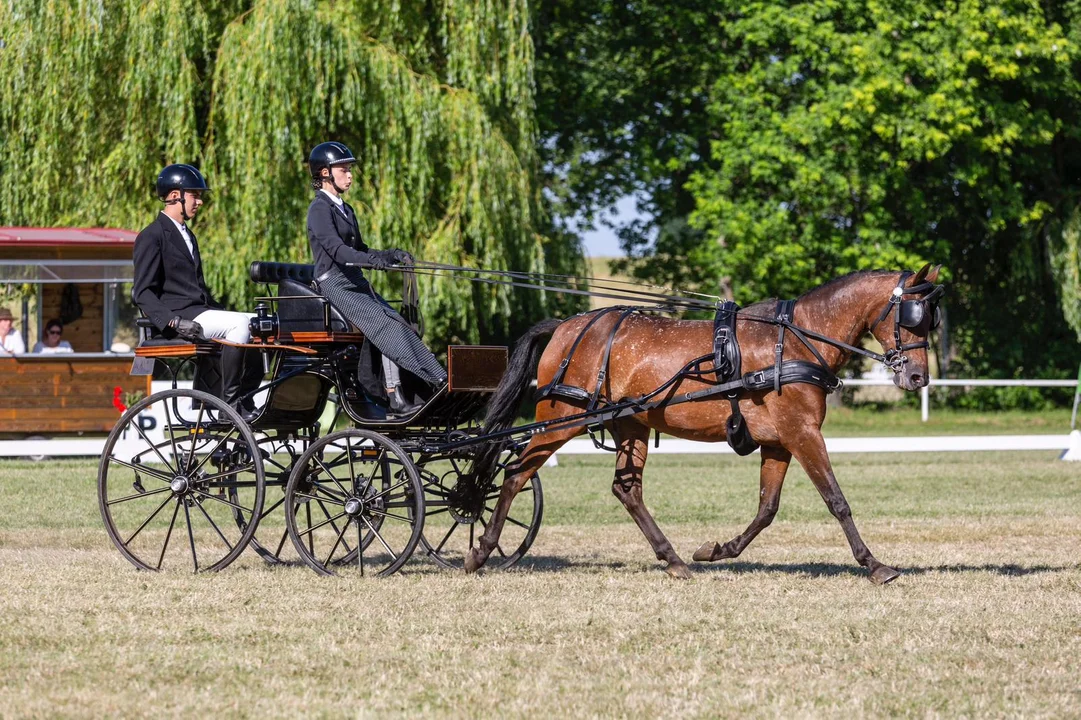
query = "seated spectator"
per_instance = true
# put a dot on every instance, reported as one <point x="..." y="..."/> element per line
<point x="11" y="342"/>
<point x="50" y="340"/>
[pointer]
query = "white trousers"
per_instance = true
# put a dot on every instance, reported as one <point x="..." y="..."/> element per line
<point x="226" y="325"/>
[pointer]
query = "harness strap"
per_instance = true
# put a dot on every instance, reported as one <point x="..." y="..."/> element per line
<point x="603" y="372"/>
<point x="786" y="311"/>
<point x="557" y="379"/>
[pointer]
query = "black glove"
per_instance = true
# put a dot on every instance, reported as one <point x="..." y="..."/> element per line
<point x="401" y="257"/>
<point x="378" y="260"/>
<point x="187" y="329"/>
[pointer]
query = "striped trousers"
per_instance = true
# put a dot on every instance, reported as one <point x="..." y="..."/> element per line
<point x="349" y="291"/>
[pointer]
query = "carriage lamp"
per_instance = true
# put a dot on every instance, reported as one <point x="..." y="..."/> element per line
<point x="265" y="323"/>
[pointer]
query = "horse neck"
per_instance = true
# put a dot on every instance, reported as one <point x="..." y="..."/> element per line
<point x="844" y="310"/>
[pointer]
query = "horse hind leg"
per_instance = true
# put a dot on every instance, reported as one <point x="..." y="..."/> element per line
<point x="633" y="444"/>
<point x="536" y="453"/>
<point x="775" y="461"/>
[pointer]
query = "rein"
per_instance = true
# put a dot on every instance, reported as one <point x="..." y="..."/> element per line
<point x="627" y="290"/>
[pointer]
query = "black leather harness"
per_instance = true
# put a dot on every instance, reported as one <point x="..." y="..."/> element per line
<point x="722" y="369"/>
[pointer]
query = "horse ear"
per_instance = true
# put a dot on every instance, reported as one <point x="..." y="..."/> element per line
<point x="932" y="277"/>
<point x="919" y="277"/>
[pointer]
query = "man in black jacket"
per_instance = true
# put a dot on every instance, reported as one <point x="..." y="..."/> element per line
<point x="170" y="289"/>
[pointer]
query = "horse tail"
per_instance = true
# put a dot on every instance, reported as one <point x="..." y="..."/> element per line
<point x="507" y="398"/>
<point x="522" y="366"/>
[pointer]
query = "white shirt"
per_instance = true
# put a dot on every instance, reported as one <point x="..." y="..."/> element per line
<point x="63" y="347"/>
<point x="184" y="233"/>
<point x="336" y="199"/>
<point x="13" y="343"/>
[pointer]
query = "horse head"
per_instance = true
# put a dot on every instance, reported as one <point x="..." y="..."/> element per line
<point x="904" y="322"/>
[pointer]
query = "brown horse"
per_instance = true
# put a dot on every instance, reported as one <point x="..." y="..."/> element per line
<point x="649" y="350"/>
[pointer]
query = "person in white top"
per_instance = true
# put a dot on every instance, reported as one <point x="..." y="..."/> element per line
<point x="50" y="340"/>
<point x="11" y="342"/>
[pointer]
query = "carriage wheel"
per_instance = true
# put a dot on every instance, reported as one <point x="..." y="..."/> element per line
<point x="458" y="513"/>
<point x="365" y="502"/>
<point x="168" y="494"/>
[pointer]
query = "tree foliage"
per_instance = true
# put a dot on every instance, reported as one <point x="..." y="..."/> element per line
<point x="852" y="134"/>
<point x="435" y="98"/>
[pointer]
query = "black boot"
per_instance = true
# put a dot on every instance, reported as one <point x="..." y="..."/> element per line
<point x="237" y="373"/>
<point x="399" y="405"/>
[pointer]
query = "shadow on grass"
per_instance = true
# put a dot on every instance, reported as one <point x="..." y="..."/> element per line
<point x="834" y="569"/>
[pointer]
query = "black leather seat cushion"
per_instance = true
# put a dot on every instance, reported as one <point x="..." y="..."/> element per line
<point x="276" y="272"/>
<point x="305" y="315"/>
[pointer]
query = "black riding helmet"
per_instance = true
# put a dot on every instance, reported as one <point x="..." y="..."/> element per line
<point x="179" y="177"/>
<point x="327" y="155"/>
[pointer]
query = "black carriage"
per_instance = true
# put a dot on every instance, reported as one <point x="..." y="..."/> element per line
<point x="184" y="479"/>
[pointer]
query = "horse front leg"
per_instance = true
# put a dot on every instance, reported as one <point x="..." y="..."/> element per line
<point x="810" y="450"/>
<point x="775" y="461"/>
<point x="633" y="444"/>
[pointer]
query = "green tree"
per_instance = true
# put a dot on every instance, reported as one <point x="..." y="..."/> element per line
<point x="436" y="98"/>
<point x="781" y="144"/>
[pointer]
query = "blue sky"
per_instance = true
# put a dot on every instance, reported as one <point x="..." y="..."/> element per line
<point x="603" y="242"/>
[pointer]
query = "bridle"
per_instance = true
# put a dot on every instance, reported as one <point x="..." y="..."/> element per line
<point x="920" y="316"/>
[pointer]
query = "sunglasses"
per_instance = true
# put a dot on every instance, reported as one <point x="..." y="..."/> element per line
<point x="53" y="332"/>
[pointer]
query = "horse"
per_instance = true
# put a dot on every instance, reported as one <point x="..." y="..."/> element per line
<point x="648" y="350"/>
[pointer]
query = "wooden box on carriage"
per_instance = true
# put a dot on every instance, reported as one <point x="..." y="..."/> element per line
<point x="475" y="368"/>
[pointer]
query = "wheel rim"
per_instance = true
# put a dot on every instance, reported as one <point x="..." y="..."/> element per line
<point x="458" y="511"/>
<point x="354" y="505"/>
<point x="168" y="498"/>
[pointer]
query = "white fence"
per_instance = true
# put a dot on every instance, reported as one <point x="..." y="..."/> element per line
<point x="925" y="393"/>
<point x="83" y="447"/>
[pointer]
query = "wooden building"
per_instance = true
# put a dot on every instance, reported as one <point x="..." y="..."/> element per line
<point x="81" y="276"/>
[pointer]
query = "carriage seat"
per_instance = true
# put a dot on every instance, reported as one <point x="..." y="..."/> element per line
<point x="301" y="315"/>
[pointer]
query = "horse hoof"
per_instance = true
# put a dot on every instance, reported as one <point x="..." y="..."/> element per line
<point x="472" y="562"/>
<point x="679" y="571"/>
<point x="883" y="574"/>
<point x="707" y="552"/>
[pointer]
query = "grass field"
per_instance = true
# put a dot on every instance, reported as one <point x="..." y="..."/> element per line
<point x="985" y="620"/>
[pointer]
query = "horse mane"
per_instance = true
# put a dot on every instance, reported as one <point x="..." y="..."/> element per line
<point x="768" y="306"/>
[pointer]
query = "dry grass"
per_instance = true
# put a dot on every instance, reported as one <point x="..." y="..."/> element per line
<point x="985" y="621"/>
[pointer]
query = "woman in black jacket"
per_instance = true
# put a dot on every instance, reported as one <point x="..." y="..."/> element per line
<point x="337" y="248"/>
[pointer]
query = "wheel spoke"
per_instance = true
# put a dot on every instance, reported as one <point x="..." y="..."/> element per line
<point x="194" y="439"/>
<point x="316" y="527"/>
<point x="153" y="447"/>
<point x="227" y="473"/>
<point x="168" y="535"/>
<point x="471" y="536"/>
<point x="327" y="516"/>
<point x="379" y="537"/>
<point x="390" y="489"/>
<point x="272" y="509"/>
<point x="213" y="524"/>
<point x="221" y="441"/>
<point x="337" y="542"/>
<point x="147" y="521"/>
<point x="446" y="537"/>
<point x="317" y="498"/>
<point x="311" y="538"/>
<point x="191" y="535"/>
<point x="360" y="549"/>
<point x="222" y="500"/>
<point x="138" y="495"/>
<point x="391" y="515"/>
<point x="331" y="495"/>
<point x="141" y="468"/>
<point x="172" y="438"/>
<point x="331" y="475"/>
